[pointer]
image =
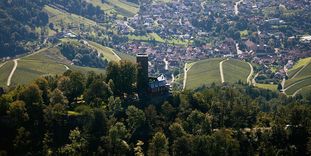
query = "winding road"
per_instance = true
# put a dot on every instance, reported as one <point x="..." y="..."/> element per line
<point x="222" y="78"/>
<point x="249" y="81"/>
<point x="12" y="72"/>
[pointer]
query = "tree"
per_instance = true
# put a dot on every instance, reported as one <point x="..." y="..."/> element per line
<point x="158" y="146"/>
<point x="135" y="117"/>
<point x="97" y="92"/>
<point x="138" y="149"/>
<point x="31" y="95"/>
<point x="57" y="97"/>
<point x="118" y="72"/>
<point x="77" y="146"/>
<point x="18" y="112"/>
<point x="22" y="142"/>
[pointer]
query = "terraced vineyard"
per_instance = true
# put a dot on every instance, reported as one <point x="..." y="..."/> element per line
<point x="44" y="62"/>
<point x="299" y="77"/>
<point x="208" y="72"/>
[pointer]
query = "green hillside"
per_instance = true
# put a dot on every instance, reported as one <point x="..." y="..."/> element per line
<point x="5" y="72"/>
<point x="299" y="77"/>
<point x="235" y="70"/>
<point x="44" y="62"/>
<point x="203" y="72"/>
<point x="120" y="7"/>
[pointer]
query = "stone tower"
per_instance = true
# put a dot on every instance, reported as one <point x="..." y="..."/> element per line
<point x="142" y="73"/>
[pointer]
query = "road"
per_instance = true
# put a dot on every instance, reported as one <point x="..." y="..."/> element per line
<point x="185" y="76"/>
<point x="299" y="71"/>
<point x="166" y="64"/>
<point x="254" y="79"/>
<point x="236" y="7"/>
<point x="221" y="70"/>
<point x="12" y="72"/>
<point x="249" y="81"/>
<point x="67" y="68"/>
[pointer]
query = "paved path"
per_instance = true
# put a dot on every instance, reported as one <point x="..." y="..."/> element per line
<point x="249" y="81"/>
<point x="236" y="7"/>
<point x="222" y="78"/>
<point x="12" y="72"/>
<point x="166" y="64"/>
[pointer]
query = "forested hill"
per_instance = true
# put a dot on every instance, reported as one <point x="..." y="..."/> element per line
<point x="18" y="19"/>
<point x="24" y="20"/>
<point x="76" y="114"/>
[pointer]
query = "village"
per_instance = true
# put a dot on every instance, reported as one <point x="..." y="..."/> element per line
<point x="257" y="32"/>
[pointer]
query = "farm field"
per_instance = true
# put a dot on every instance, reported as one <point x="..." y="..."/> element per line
<point x="235" y="70"/>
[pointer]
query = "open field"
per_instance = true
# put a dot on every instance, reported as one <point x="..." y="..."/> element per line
<point x="45" y="62"/>
<point x="207" y="71"/>
<point x="291" y="89"/>
<point x="124" y="8"/>
<point x="235" y="70"/>
<point x="61" y="18"/>
<point x="203" y="72"/>
<point x="108" y="53"/>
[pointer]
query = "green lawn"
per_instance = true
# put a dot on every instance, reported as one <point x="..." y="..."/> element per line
<point x="203" y="72"/>
<point x="235" y="70"/>
<point x="5" y="72"/>
<point x="124" y="8"/>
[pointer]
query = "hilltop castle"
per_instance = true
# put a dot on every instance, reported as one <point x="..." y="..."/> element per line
<point x="149" y="85"/>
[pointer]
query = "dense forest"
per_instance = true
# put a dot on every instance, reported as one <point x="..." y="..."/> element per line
<point x="18" y="19"/>
<point x="24" y="23"/>
<point x="83" y="55"/>
<point x="77" y="114"/>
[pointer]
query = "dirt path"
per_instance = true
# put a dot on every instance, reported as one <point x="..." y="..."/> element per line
<point x="248" y="80"/>
<point x="299" y="71"/>
<point x="186" y="69"/>
<point x="296" y="92"/>
<point x="12" y="72"/>
<point x="67" y="68"/>
<point x="222" y="78"/>
<point x="185" y="76"/>
<point x="2" y="64"/>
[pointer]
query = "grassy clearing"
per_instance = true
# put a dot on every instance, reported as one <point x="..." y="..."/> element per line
<point x="299" y="65"/>
<point x="5" y="72"/>
<point x="62" y="18"/>
<point x="272" y="87"/>
<point x="124" y="8"/>
<point x="156" y="37"/>
<point x="126" y="57"/>
<point x="306" y="91"/>
<point x="203" y="72"/>
<point x="107" y="52"/>
<point x="235" y="70"/>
